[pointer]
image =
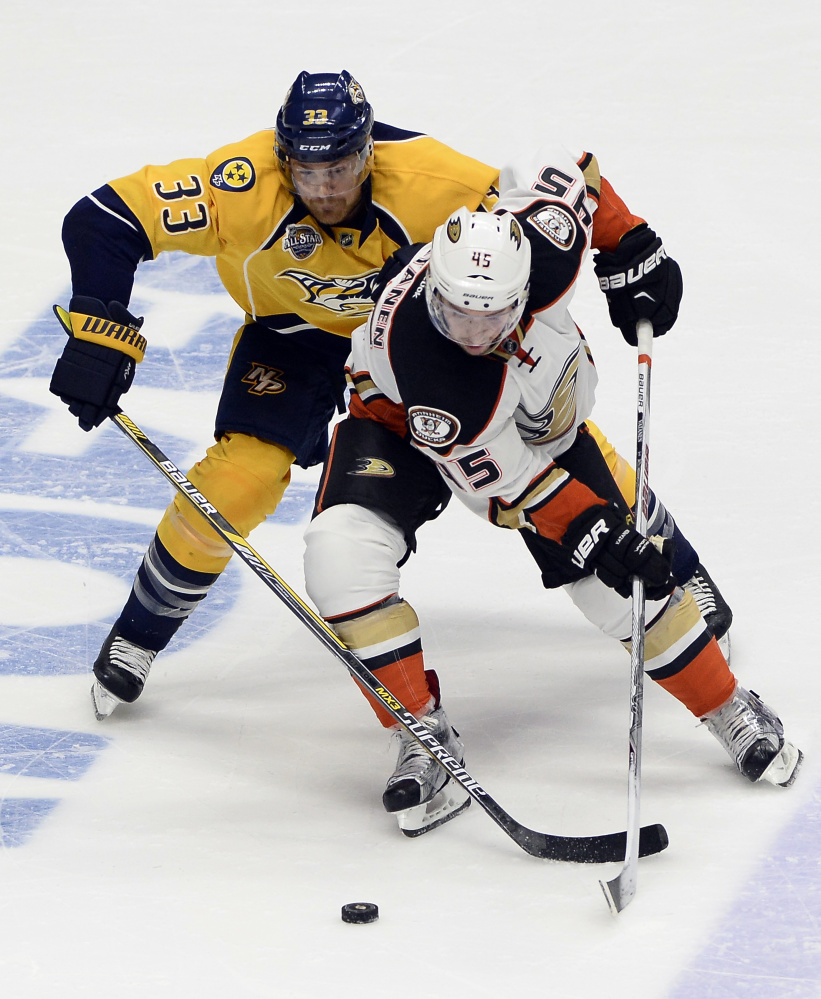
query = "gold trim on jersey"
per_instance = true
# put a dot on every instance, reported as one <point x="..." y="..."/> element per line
<point x="542" y="488"/>
<point x="558" y="415"/>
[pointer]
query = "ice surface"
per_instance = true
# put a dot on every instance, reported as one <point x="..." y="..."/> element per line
<point x="202" y="842"/>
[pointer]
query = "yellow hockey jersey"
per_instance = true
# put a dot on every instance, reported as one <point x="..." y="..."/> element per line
<point x="282" y="267"/>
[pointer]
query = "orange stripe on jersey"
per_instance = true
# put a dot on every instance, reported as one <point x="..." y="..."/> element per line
<point x="552" y="519"/>
<point x="611" y="220"/>
<point x="381" y="410"/>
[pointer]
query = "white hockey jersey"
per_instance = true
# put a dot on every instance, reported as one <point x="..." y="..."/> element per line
<point x="495" y="423"/>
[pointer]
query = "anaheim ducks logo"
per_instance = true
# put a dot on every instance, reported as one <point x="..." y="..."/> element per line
<point x="301" y="241"/>
<point x="336" y="293"/>
<point x="454" y="229"/>
<point x="555" y="223"/>
<point x="433" y="426"/>
<point x="559" y="414"/>
<point x="264" y="380"/>
<point x="515" y="232"/>
<point x="234" y="175"/>
<point x="373" y="466"/>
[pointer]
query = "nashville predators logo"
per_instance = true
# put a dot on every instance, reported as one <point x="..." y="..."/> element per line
<point x="234" y="175"/>
<point x="373" y="466"/>
<point x="356" y="93"/>
<point x="264" y="380"/>
<point x="454" y="229"/>
<point x="336" y="293"/>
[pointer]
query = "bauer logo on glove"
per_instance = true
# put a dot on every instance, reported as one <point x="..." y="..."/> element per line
<point x="641" y="282"/>
<point x="635" y="273"/>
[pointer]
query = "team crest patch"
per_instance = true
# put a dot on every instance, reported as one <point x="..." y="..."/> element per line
<point x="264" y="380"/>
<point x="337" y="293"/>
<point x="301" y="241"/>
<point x="355" y="92"/>
<point x="557" y="224"/>
<point x="515" y="232"/>
<point x="373" y="466"/>
<point x="234" y="175"/>
<point x="454" y="229"/>
<point x="433" y="426"/>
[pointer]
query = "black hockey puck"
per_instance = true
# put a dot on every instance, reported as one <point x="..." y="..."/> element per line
<point x="360" y="912"/>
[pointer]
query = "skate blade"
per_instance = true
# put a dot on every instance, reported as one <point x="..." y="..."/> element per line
<point x="450" y="801"/>
<point x="103" y="702"/>
<point x="783" y="768"/>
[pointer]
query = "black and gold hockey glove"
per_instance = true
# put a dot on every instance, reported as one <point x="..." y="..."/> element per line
<point x="601" y="540"/>
<point x="640" y="282"/>
<point x="98" y="363"/>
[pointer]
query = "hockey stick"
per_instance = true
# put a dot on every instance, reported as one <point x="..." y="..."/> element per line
<point x="622" y="889"/>
<point x="579" y="849"/>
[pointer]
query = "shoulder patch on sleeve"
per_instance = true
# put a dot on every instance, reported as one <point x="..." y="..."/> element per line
<point x="236" y="174"/>
<point x="557" y="223"/>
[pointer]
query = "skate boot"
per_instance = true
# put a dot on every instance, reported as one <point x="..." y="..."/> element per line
<point x="714" y="608"/>
<point x="120" y="673"/>
<point x="753" y="735"/>
<point x="420" y="792"/>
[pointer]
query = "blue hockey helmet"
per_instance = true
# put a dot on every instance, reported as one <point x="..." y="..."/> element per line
<point x="324" y="117"/>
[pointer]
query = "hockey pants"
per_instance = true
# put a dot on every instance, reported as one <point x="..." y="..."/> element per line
<point x="352" y="576"/>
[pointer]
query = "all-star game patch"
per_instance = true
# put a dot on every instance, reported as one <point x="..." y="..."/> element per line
<point x="234" y="175"/>
<point x="301" y="241"/>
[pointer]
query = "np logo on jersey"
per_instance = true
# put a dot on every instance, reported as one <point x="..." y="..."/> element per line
<point x="301" y="241"/>
<point x="557" y="224"/>
<point x="336" y="293"/>
<point x="264" y="380"/>
<point x="433" y="426"/>
<point x="373" y="466"/>
<point x="234" y="175"/>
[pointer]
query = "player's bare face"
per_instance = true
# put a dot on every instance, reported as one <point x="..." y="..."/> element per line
<point x="331" y="191"/>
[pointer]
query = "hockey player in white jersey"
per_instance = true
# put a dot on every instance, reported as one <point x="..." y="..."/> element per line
<point x="471" y="378"/>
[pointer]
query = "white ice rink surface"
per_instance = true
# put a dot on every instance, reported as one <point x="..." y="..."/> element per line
<point x="202" y="843"/>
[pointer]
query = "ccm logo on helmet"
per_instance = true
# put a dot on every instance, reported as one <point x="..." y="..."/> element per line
<point x="634" y="273"/>
<point x="588" y="542"/>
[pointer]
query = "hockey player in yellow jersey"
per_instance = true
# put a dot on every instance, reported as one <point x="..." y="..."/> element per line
<point x="300" y="220"/>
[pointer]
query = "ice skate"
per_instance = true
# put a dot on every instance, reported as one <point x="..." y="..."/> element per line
<point x="714" y="608"/>
<point x="753" y="735"/>
<point x="420" y="793"/>
<point x="120" y="672"/>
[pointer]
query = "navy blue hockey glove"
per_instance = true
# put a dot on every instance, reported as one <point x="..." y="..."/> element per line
<point x="98" y="363"/>
<point x="602" y="541"/>
<point x="640" y="282"/>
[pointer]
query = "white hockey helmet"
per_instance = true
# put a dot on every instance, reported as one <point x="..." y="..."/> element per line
<point x="478" y="278"/>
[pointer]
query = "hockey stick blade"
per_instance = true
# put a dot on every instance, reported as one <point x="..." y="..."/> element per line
<point x="576" y="849"/>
